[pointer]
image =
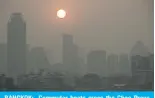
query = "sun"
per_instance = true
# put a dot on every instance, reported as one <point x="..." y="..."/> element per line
<point x="61" y="13"/>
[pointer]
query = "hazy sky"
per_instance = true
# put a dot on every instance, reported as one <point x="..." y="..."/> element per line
<point x="112" y="25"/>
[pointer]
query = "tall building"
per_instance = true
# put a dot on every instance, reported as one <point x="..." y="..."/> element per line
<point x="70" y="54"/>
<point x="67" y="48"/>
<point x="112" y="64"/>
<point x="16" y="45"/>
<point x="96" y="62"/>
<point x="124" y="65"/>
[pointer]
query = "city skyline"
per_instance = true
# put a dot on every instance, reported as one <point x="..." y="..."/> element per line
<point x="76" y="45"/>
<point x="98" y="61"/>
<point x="89" y="62"/>
<point x="117" y="61"/>
<point x="111" y="27"/>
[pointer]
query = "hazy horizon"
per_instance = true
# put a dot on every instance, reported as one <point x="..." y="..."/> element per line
<point x="114" y="26"/>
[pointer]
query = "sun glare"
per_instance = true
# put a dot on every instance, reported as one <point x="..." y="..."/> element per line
<point x="61" y="13"/>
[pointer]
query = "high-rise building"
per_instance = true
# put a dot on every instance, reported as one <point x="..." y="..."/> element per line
<point x="16" y="45"/>
<point x="70" y="54"/>
<point x="67" y="48"/>
<point x="112" y="64"/>
<point x="96" y="62"/>
<point x="124" y="65"/>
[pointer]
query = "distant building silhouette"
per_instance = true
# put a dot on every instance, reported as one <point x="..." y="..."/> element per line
<point x="82" y="60"/>
<point x="112" y="64"/>
<point x="3" y="58"/>
<point x="151" y="58"/>
<point x="16" y="45"/>
<point x="140" y="59"/>
<point x="140" y="63"/>
<point x="82" y="67"/>
<point x="28" y="58"/>
<point x="96" y="62"/>
<point x="67" y="48"/>
<point x="124" y="65"/>
<point x="38" y="59"/>
<point x="70" y="54"/>
<point x="139" y="49"/>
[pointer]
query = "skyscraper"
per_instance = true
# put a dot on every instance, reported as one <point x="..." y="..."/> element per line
<point x="67" y="48"/>
<point x="96" y="62"/>
<point x="70" y="54"/>
<point x="16" y="45"/>
<point x="112" y="64"/>
<point x="124" y="65"/>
